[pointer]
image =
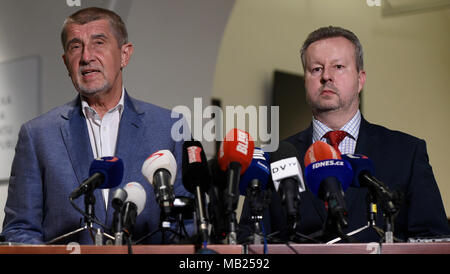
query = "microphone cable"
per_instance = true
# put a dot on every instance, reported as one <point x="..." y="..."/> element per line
<point x="264" y="237"/>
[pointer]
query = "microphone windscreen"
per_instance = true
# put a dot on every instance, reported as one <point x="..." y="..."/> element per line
<point x="136" y="194"/>
<point x="195" y="167"/>
<point x="111" y="168"/>
<point x="323" y="161"/>
<point x="320" y="151"/>
<point x="162" y="159"/>
<point x="360" y="164"/>
<point x="258" y="169"/>
<point x="218" y="176"/>
<point x="284" y="164"/>
<point x="237" y="146"/>
<point x="285" y="150"/>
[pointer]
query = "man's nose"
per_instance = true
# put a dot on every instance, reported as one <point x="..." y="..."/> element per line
<point x="86" y="55"/>
<point x="326" y="76"/>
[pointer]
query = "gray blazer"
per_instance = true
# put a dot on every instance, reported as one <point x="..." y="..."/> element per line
<point x="53" y="156"/>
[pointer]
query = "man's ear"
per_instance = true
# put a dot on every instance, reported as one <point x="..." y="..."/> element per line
<point x="361" y="79"/>
<point x="127" y="51"/>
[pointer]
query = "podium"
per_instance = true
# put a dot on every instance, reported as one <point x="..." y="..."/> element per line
<point x="112" y="249"/>
<point x="360" y="248"/>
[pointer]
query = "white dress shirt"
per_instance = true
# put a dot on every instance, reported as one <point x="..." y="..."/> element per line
<point x="348" y="145"/>
<point x="103" y="131"/>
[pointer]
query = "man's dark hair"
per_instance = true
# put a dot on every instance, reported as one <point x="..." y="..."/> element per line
<point x="331" y="32"/>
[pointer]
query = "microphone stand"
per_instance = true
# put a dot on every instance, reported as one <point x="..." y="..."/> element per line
<point x="390" y="204"/>
<point x="202" y="221"/>
<point x="258" y="201"/>
<point x="117" y="202"/>
<point x="164" y="227"/>
<point x="118" y="227"/>
<point x="231" y="200"/>
<point x="89" y="219"/>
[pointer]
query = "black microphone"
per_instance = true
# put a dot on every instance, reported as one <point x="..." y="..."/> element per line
<point x="196" y="179"/>
<point x="363" y="168"/>
<point x="288" y="181"/>
<point x="328" y="177"/>
<point x="216" y="206"/>
<point x="390" y="201"/>
<point x="105" y="172"/>
<point x="253" y="185"/>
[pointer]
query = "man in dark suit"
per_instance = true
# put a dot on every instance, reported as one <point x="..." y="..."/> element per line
<point x="332" y="59"/>
<point x="55" y="150"/>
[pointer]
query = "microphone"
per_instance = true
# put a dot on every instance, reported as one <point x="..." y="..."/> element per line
<point x="328" y="177"/>
<point x="118" y="199"/>
<point x="257" y="174"/>
<point x="288" y="181"/>
<point x="128" y="203"/>
<point x="133" y="205"/>
<point x="363" y="169"/>
<point x="235" y="156"/>
<point x="253" y="185"/>
<point x="216" y="207"/>
<point x="196" y="179"/>
<point x="105" y="172"/>
<point x="160" y="169"/>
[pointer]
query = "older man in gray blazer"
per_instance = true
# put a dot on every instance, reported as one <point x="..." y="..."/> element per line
<point x="55" y="150"/>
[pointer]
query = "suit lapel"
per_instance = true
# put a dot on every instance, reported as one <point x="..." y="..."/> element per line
<point x="129" y="139"/>
<point x="76" y="139"/>
<point x="367" y="141"/>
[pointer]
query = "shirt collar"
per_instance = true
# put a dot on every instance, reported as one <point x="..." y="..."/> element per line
<point x="88" y="110"/>
<point x="351" y="127"/>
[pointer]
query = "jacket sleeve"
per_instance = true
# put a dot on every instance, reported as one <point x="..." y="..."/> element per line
<point x="426" y="213"/>
<point x="24" y="205"/>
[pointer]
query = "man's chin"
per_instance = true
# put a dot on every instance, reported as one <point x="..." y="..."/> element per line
<point x="326" y="107"/>
<point x="91" y="91"/>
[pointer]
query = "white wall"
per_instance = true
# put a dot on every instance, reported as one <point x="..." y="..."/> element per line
<point x="176" y="46"/>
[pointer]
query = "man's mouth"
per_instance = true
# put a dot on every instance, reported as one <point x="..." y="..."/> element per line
<point x="88" y="72"/>
<point x="328" y="91"/>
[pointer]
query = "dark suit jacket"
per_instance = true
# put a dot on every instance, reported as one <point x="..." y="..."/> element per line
<point x="400" y="161"/>
<point x="53" y="156"/>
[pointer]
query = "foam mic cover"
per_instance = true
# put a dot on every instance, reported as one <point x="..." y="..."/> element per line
<point x="106" y="172"/>
<point x="238" y="147"/>
<point x="136" y="194"/>
<point x="195" y="167"/>
<point x="323" y="162"/>
<point x="218" y="176"/>
<point x="284" y="164"/>
<point x="162" y="159"/>
<point x="361" y="164"/>
<point x="258" y="169"/>
<point x="111" y="168"/>
<point x="320" y="151"/>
